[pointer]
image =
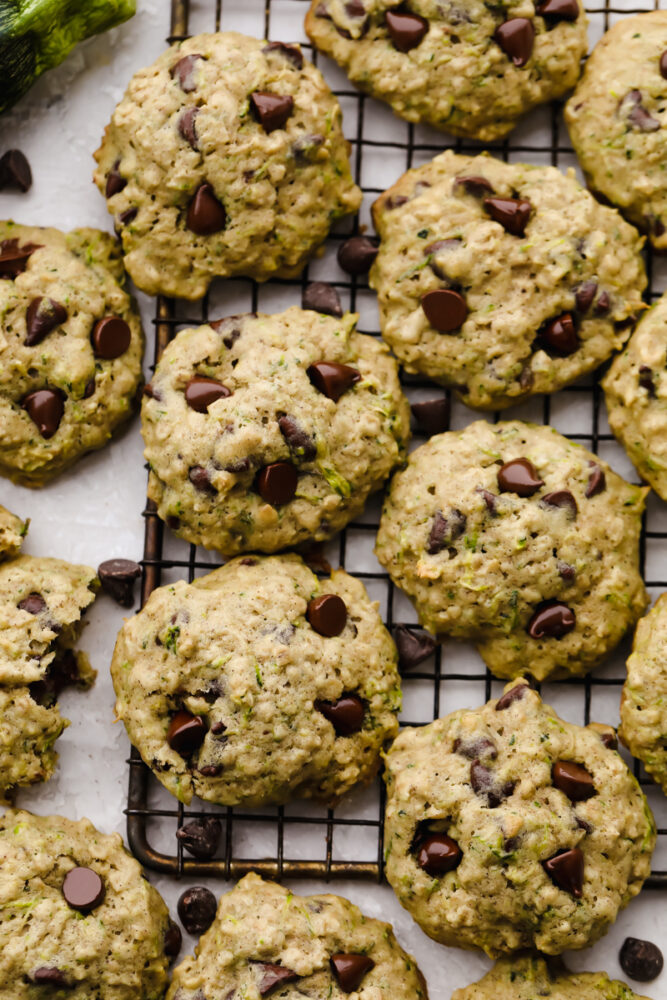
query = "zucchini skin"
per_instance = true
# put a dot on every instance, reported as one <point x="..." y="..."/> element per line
<point x="36" y="35"/>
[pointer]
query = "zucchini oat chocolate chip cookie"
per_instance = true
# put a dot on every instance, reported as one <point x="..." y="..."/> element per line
<point x="264" y="431"/>
<point x="258" y="683"/>
<point x="508" y="828"/>
<point x="41" y="606"/>
<point x="644" y="701"/>
<point x="266" y="941"/>
<point x="77" y="917"/>
<point x="502" y="280"/>
<point x="524" y="977"/>
<point x="617" y="119"/>
<point x="513" y="537"/>
<point x="12" y="532"/>
<point x="71" y="347"/>
<point x="226" y="156"/>
<point x="464" y="66"/>
<point x="636" y="395"/>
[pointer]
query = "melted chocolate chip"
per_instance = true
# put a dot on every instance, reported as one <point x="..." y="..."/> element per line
<point x="206" y="215"/>
<point x="115" y="181"/>
<point x="438" y="854"/>
<point x="14" y="259"/>
<point x="573" y="779"/>
<point x="566" y="870"/>
<point x="511" y="213"/>
<point x="277" y="482"/>
<point x="519" y="476"/>
<point x="445" y="530"/>
<point x="356" y="255"/>
<point x="563" y="500"/>
<point x="597" y="482"/>
<point x="584" y="295"/>
<point x="45" y="407"/>
<point x="516" y="693"/>
<point x="637" y="114"/>
<point x="299" y="443"/>
<point x="350" y="970"/>
<point x="184" y="72"/>
<point x="305" y="148"/>
<point x="173" y="939"/>
<point x="477" y="186"/>
<point x="432" y="415"/>
<point x="405" y="30"/>
<point x="290" y="52"/>
<point x="186" y="733"/>
<point x="34" y="604"/>
<point x="50" y="976"/>
<point x="117" y="577"/>
<point x="271" y="110"/>
<point x="201" y="480"/>
<point x="201" y="392"/>
<point x="196" y="909"/>
<point x="413" y="647"/>
<point x="322" y="298"/>
<point x="603" y="304"/>
<point x="551" y="620"/>
<point x="186" y="127"/>
<point x="327" y="614"/>
<point x="516" y="38"/>
<point x="445" y="309"/>
<point x="201" y="837"/>
<point x="490" y="500"/>
<point x="646" y="379"/>
<point x="83" y="889"/>
<point x="485" y="784"/>
<point x="559" y="10"/>
<point x="663" y="65"/>
<point x="475" y="748"/>
<point x="641" y="960"/>
<point x="432" y="251"/>
<point x="559" y="336"/>
<point x="346" y="715"/>
<point x="609" y="740"/>
<point x="110" y="338"/>
<point x="332" y="379"/>
<point x="15" y="171"/>
<point x="274" y="976"/>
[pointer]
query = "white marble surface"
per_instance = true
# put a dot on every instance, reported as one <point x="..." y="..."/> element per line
<point x="94" y="512"/>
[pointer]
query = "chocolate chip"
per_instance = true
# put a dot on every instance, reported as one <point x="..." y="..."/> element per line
<point x="14" y="259"/>
<point x="186" y="733"/>
<point x="519" y="476"/>
<point x="34" y="604"/>
<point x="332" y="379"/>
<point x="90" y="388"/>
<point x="559" y="10"/>
<point x="184" y="72"/>
<point x="277" y="482"/>
<point x="327" y="614"/>
<point x="445" y="309"/>
<point x="201" y="480"/>
<point x="218" y="728"/>
<point x="433" y="250"/>
<point x="211" y="770"/>
<point x="15" y="171"/>
<point x="405" y="30"/>
<point x="552" y="620"/>
<point x="438" y="854"/>
<point x="186" y="126"/>
<point x="346" y="715"/>
<point x="646" y="379"/>
<point x="305" y="148"/>
<point x="603" y="304"/>
<point x="511" y="213"/>
<point x="609" y="740"/>
<point x="356" y="255"/>
<point x="196" y="909"/>
<point x="566" y="870"/>
<point x="117" y="578"/>
<point x="432" y="415"/>
<point x="516" y="38"/>
<point x="83" y="889"/>
<point x="298" y="441"/>
<point x="45" y="407"/>
<point x="322" y="298"/>
<point x="206" y="215"/>
<point x="485" y="784"/>
<point x="597" y="482"/>
<point x="110" y="338"/>
<point x="573" y="779"/>
<point x="490" y="500"/>
<point x="50" y="976"/>
<point x="563" y="500"/>
<point x="290" y="52"/>
<point x="273" y="976"/>
<point x="584" y="295"/>
<point x="173" y="939"/>
<point x="128" y="216"/>
<point x="477" y="186"/>
<point x="355" y="8"/>
<point x="201" y="392"/>
<point x="115" y="181"/>
<point x="559" y="336"/>
<point x="475" y="748"/>
<point x="637" y="115"/>
<point x="395" y="201"/>
<point x="663" y="65"/>
<point x="350" y="970"/>
<point x="413" y="647"/>
<point x="201" y="837"/>
<point x="271" y="110"/>
<point x="641" y="960"/>
<point x="445" y="530"/>
<point x="516" y="693"/>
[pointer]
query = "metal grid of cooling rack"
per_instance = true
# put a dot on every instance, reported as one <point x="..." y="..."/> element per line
<point x="359" y="825"/>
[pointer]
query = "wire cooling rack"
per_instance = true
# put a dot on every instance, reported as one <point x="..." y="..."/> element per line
<point x="278" y="842"/>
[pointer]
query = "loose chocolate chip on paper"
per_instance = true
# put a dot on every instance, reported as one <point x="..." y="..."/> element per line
<point x="298" y="441"/>
<point x="186" y="733"/>
<point x="566" y="870"/>
<point x="445" y="309"/>
<point x="475" y="185"/>
<point x="206" y="215"/>
<point x="519" y="476"/>
<point x="271" y="110"/>
<point x="559" y="336"/>
<point x="551" y="620"/>
<point x="173" y="939"/>
<point x="516" y="38"/>
<point x="274" y="976"/>
<point x="350" y="970"/>
<point x="432" y="415"/>
<point x="346" y="715"/>
<point x="15" y="171"/>
<point x="413" y="646"/>
<point x="356" y="255"/>
<point x="438" y="854"/>
<point x="563" y="500"/>
<point x="110" y="338"/>
<point x="200" y="392"/>
<point x="559" y="10"/>
<point x="332" y="379"/>
<point x="292" y="53"/>
<point x="511" y="213"/>
<point x="45" y="407"/>
<point x="117" y="578"/>
<point x="327" y="614"/>
<point x="277" y="483"/>
<point x="573" y="779"/>
<point x="322" y="298"/>
<point x="597" y="482"/>
<point x="201" y="837"/>
<point x="641" y="960"/>
<point x="83" y="889"/>
<point x="184" y="72"/>
<point x="405" y="30"/>
<point x="186" y="126"/>
<point x="196" y="909"/>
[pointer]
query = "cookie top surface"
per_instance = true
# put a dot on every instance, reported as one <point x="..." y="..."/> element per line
<point x="494" y="838"/>
<point x="71" y="347"/>
<point x="617" y="119"/>
<point x="106" y="942"/>
<point x="644" y="701"/>
<point x="502" y="280"/>
<point x="281" y="447"/>
<point x="513" y="537"/>
<point x="263" y="933"/>
<point x="224" y="157"/>
<point x="12" y="532"/>
<point x="524" y="977"/>
<point x="295" y="690"/>
<point x="464" y="67"/>
<point x="636" y="395"/>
